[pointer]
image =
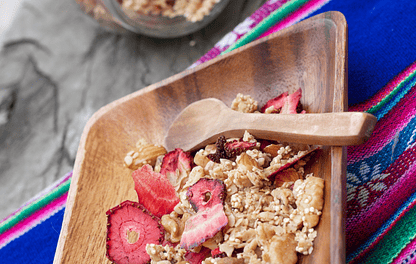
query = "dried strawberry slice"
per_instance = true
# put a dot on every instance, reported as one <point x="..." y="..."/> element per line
<point x="285" y="103"/>
<point x="206" y="193"/>
<point x="236" y="147"/>
<point x="176" y="166"/>
<point x="277" y="103"/>
<point x="229" y="150"/>
<point x="289" y="164"/>
<point x="154" y="190"/>
<point x="197" y="258"/>
<point x="292" y="102"/>
<point x="129" y="228"/>
<point x="203" y="226"/>
<point x="217" y="253"/>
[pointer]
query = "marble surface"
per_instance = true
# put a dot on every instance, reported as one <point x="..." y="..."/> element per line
<point x="58" y="66"/>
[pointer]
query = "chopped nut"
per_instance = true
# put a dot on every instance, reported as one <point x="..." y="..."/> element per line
<point x="144" y="154"/>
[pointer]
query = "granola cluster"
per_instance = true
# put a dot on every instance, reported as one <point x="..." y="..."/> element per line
<point x="271" y="204"/>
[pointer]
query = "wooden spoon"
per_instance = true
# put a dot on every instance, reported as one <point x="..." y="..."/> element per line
<point x="202" y="122"/>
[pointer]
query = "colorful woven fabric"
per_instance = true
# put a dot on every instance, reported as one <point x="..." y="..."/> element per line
<point x="381" y="174"/>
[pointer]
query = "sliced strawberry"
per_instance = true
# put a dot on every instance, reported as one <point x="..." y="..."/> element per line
<point x="129" y="228"/>
<point x="202" y="226"/>
<point x="229" y="150"/>
<point x="276" y="102"/>
<point x="217" y="253"/>
<point x="154" y="191"/>
<point x="176" y="166"/>
<point x="292" y="102"/>
<point x="236" y="147"/>
<point x="206" y="193"/>
<point x="289" y="164"/>
<point x="197" y="258"/>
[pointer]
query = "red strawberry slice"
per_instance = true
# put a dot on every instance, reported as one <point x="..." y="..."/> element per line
<point x="289" y="164"/>
<point x="217" y="253"/>
<point x="197" y="258"/>
<point x="176" y="165"/>
<point x="291" y="103"/>
<point x="130" y="228"/>
<point x="154" y="191"/>
<point x="206" y="193"/>
<point x="276" y="102"/>
<point x="202" y="226"/>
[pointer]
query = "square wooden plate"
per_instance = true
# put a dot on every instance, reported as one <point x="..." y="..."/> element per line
<point x="311" y="55"/>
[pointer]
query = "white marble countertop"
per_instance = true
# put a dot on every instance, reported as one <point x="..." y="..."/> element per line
<point x="58" y="66"/>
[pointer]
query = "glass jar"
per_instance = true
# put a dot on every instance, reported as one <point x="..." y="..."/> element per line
<point x="120" y="16"/>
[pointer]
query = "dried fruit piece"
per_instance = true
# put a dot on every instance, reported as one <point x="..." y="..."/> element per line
<point x="130" y="227"/>
<point x="276" y="102"/>
<point x="236" y="147"/>
<point x="229" y="150"/>
<point x="285" y="103"/>
<point x="197" y="257"/>
<point x="217" y="253"/>
<point x="289" y="175"/>
<point x="300" y="155"/>
<point x="291" y="103"/>
<point x="154" y="191"/>
<point x="176" y="166"/>
<point x="206" y="193"/>
<point x="202" y="226"/>
<point x="220" y="152"/>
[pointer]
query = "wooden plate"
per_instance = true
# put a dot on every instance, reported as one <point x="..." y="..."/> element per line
<point x="311" y="54"/>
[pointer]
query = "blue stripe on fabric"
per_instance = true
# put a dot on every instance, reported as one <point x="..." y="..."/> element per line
<point x="408" y="85"/>
<point x="365" y="170"/>
<point x="36" y="246"/>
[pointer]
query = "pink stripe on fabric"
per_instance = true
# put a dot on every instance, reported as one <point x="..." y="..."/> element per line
<point x="386" y="129"/>
<point x="240" y="30"/>
<point x="405" y="253"/>
<point x="380" y="236"/>
<point x="365" y="224"/>
<point x="383" y="92"/>
<point x="296" y="16"/>
<point x="31" y="221"/>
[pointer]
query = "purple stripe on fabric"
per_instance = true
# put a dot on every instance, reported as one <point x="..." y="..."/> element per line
<point x="240" y="30"/>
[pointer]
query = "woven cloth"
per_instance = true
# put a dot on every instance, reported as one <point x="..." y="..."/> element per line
<point x="381" y="174"/>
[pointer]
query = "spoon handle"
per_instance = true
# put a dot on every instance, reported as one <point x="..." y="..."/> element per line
<point x="202" y="122"/>
<point x="334" y="129"/>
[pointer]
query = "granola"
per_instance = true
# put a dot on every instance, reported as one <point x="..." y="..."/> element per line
<point x="272" y="208"/>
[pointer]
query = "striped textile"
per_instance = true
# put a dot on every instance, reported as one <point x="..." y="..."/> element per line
<point x="381" y="174"/>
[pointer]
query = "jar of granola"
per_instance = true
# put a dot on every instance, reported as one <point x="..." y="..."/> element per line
<point x="154" y="18"/>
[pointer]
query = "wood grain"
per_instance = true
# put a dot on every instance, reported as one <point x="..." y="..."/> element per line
<point x="310" y="55"/>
